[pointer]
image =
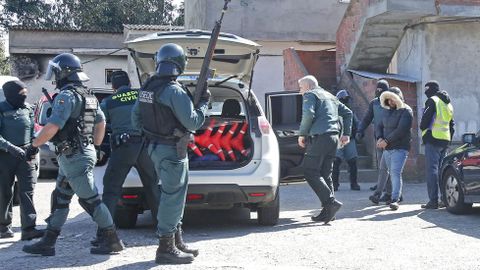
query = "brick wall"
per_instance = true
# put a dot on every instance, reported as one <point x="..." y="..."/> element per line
<point x="320" y="64"/>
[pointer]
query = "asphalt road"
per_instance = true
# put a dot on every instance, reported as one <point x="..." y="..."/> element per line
<point x="363" y="237"/>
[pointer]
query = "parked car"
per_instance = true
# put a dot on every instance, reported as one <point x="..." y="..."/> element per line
<point x="460" y="175"/>
<point x="248" y="177"/>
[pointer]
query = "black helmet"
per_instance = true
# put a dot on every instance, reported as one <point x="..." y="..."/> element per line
<point x="170" y="60"/>
<point x="67" y="68"/>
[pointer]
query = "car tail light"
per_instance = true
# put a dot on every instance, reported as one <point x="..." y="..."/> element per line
<point x="194" y="197"/>
<point x="258" y="194"/>
<point x="130" y="197"/>
<point x="264" y="125"/>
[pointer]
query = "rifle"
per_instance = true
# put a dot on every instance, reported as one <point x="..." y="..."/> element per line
<point x="201" y="86"/>
<point x="47" y="95"/>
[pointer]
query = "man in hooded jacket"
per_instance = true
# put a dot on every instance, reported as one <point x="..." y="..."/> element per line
<point x="16" y="133"/>
<point x="437" y="126"/>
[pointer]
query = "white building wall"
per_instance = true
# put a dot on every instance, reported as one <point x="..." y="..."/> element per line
<point x="449" y="54"/>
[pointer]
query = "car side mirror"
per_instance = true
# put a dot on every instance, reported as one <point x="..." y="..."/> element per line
<point x="469" y="138"/>
<point x="45" y="112"/>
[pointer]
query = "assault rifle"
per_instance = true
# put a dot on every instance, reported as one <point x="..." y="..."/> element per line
<point x="201" y="86"/>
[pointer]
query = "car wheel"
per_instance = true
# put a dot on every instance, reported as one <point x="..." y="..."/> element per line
<point x="126" y="217"/>
<point x="268" y="215"/>
<point x="453" y="194"/>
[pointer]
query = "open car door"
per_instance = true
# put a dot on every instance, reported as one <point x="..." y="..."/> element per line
<point x="284" y="112"/>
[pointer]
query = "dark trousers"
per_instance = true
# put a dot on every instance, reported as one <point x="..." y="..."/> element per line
<point x="27" y="178"/>
<point x="352" y="170"/>
<point x="122" y="159"/>
<point x="317" y="164"/>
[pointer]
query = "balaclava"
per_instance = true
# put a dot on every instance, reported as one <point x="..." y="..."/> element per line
<point x="431" y="88"/>
<point x="11" y="90"/>
<point x="382" y="86"/>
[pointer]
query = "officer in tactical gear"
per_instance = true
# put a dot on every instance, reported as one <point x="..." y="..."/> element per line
<point x="74" y="127"/>
<point x="347" y="152"/>
<point x="16" y="133"/>
<point x="166" y="115"/>
<point x="128" y="149"/>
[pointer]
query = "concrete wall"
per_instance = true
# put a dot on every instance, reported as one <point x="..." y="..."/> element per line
<point x="276" y="20"/>
<point x="447" y="53"/>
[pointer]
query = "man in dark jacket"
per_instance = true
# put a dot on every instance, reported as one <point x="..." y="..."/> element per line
<point x="394" y="136"/>
<point x="375" y="113"/>
<point x="437" y="127"/>
<point x="320" y="134"/>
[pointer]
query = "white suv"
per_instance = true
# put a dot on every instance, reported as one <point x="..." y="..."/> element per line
<point x="245" y="176"/>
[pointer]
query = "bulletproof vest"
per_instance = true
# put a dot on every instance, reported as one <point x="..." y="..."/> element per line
<point x="79" y="129"/>
<point x="159" y="121"/>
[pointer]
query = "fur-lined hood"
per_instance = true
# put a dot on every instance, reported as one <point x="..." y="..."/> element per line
<point x="393" y="96"/>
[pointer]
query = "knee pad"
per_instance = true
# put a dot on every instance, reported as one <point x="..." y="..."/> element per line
<point x="55" y="202"/>
<point x="89" y="204"/>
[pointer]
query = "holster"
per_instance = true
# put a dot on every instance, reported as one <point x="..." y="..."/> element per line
<point x="66" y="148"/>
<point x="184" y="138"/>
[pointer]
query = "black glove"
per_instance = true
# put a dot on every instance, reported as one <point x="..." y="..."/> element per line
<point x="16" y="151"/>
<point x="31" y="152"/>
<point x="99" y="152"/>
<point x="205" y="96"/>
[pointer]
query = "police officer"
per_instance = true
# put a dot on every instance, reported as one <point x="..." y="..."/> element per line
<point x="437" y="127"/>
<point x="16" y="133"/>
<point x="347" y="152"/>
<point x="74" y="127"/>
<point x="166" y="115"/>
<point x="127" y="147"/>
<point x="320" y="134"/>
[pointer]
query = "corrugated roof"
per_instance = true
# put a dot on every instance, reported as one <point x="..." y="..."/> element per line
<point x="62" y="29"/>
<point x="153" y="27"/>
<point x="378" y="76"/>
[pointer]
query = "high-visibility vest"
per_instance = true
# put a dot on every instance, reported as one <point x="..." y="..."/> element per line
<point x="441" y="125"/>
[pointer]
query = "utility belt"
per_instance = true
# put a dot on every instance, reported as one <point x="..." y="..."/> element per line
<point x="124" y="138"/>
<point x="159" y="139"/>
<point x="180" y="140"/>
<point x="71" y="147"/>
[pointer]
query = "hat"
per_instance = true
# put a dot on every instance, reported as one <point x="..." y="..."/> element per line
<point x="383" y="84"/>
<point x="120" y="78"/>
<point x="342" y="94"/>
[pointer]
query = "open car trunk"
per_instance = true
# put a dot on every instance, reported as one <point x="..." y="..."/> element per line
<point x="224" y="141"/>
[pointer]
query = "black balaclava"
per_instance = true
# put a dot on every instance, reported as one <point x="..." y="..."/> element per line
<point x="11" y="90"/>
<point x="382" y="86"/>
<point x="431" y="88"/>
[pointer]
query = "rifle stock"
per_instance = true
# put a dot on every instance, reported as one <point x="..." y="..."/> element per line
<point x="202" y="84"/>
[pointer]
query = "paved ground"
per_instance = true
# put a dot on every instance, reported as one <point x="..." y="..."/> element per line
<point x="363" y="237"/>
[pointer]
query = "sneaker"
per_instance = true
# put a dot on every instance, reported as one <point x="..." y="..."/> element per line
<point x="394" y="206"/>
<point x="374" y="199"/>
<point x="355" y="186"/>
<point x="6" y="233"/>
<point x="430" y="205"/>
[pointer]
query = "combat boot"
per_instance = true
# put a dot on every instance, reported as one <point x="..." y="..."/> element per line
<point x="181" y="245"/>
<point x="109" y="242"/>
<point x="46" y="245"/>
<point x="331" y="209"/>
<point x="98" y="238"/>
<point x="168" y="253"/>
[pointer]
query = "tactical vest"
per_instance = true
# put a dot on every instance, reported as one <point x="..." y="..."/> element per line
<point x="441" y="124"/>
<point x="79" y="129"/>
<point x="159" y="121"/>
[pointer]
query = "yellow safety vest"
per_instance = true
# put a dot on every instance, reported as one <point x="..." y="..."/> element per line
<point x="441" y="125"/>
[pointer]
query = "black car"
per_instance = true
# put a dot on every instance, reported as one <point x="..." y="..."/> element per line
<point x="460" y="175"/>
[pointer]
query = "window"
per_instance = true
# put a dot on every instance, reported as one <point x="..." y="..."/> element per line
<point x="108" y="74"/>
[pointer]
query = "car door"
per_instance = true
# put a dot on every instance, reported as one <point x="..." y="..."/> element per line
<point x="471" y="169"/>
<point x="284" y="112"/>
